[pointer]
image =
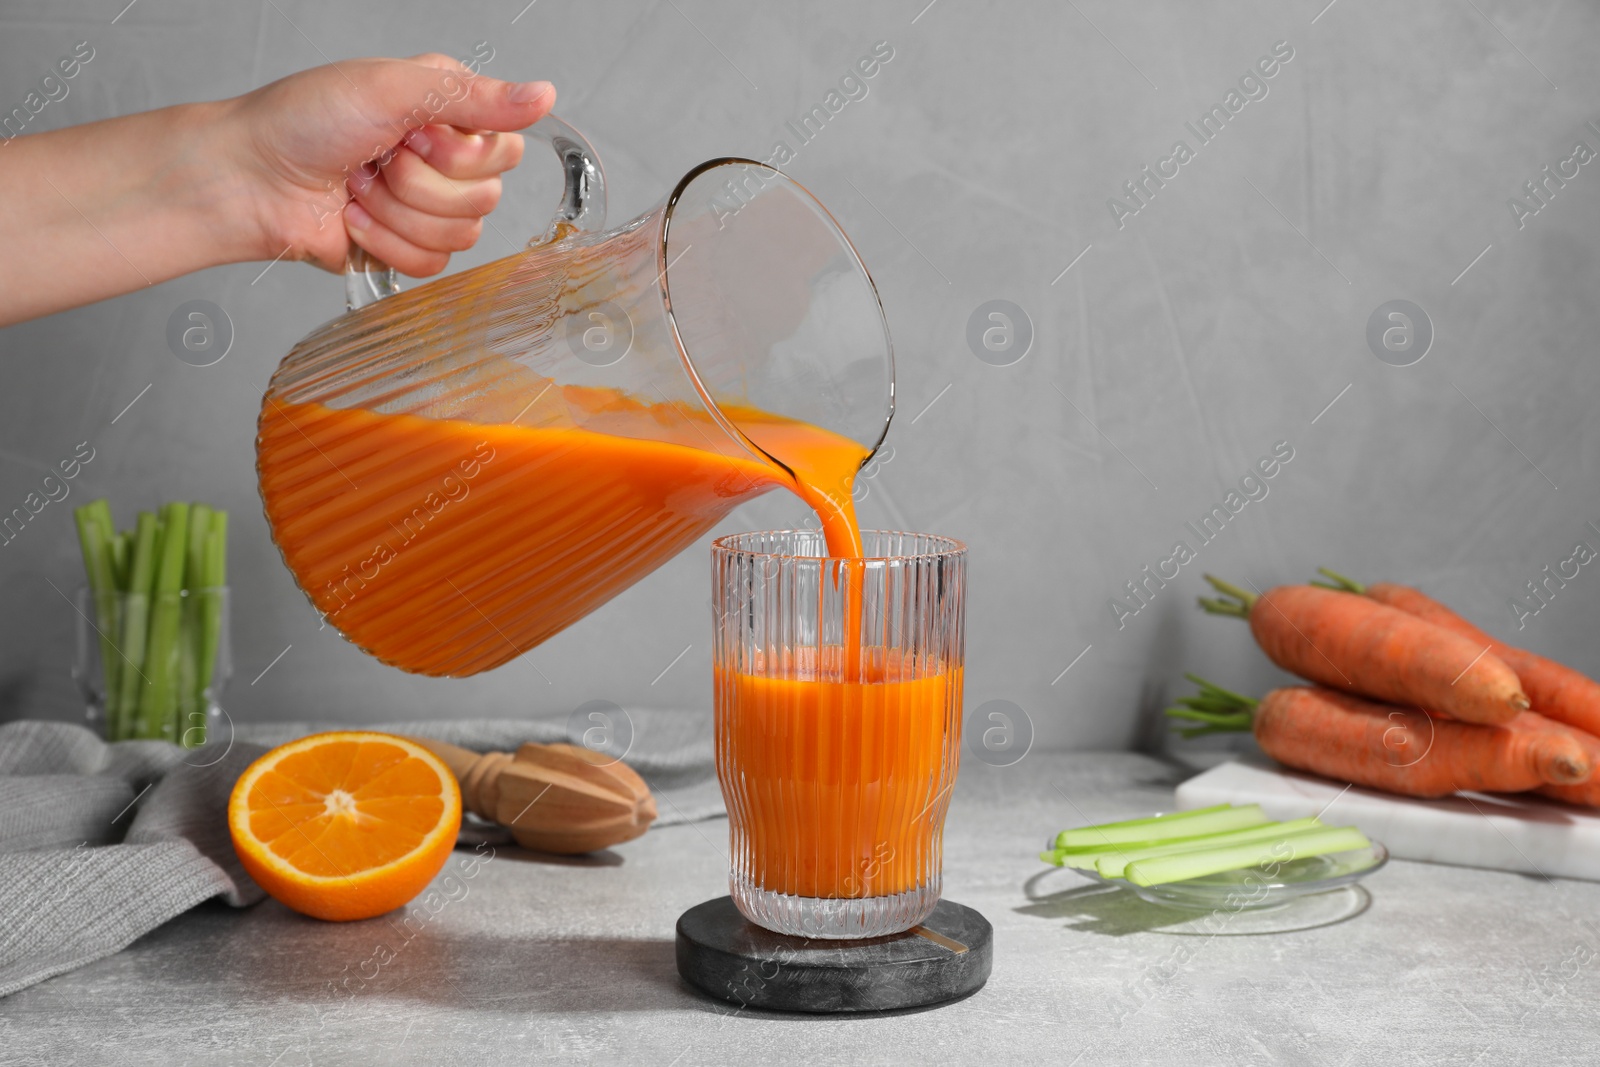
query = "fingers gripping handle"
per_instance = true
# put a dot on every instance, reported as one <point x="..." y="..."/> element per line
<point x="582" y="209"/>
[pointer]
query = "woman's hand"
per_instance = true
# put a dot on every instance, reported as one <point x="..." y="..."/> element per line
<point x="394" y="135"/>
<point x="109" y="207"/>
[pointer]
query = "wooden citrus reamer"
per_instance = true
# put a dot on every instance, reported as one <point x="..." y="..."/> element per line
<point x="554" y="798"/>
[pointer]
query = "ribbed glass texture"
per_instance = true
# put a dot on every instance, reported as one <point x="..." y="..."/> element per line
<point x="838" y="723"/>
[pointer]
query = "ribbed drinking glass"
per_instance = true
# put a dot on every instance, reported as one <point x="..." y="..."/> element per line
<point x="838" y="723"/>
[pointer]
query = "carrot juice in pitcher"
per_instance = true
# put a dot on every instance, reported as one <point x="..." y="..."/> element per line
<point x="448" y="547"/>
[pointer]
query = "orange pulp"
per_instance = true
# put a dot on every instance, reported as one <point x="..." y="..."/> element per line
<point x="345" y="825"/>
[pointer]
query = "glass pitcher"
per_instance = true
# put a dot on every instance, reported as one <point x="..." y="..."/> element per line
<point x="457" y="472"/>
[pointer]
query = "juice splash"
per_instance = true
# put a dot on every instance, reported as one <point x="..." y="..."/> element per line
<point x="448" y="547"/>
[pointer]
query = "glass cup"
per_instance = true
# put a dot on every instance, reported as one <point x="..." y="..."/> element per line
<point x="838" y="723"/>
<point x="153" y="665"/>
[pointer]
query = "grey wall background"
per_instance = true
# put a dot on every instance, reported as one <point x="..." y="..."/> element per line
<point x="1227" y="315"/>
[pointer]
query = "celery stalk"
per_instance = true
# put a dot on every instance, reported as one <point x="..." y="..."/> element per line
<point x="1109" y="860"/>
<point x="101" y="574"/>
<point x="1088" y="859"/>
<point x="119" y="558"/>
<point x="1155" y="819"/>
<point x="195" y="547"/>
<point x="216" y="551"/>
<point x="1201" y="862"/>
<point x="185" y="679"/>
<point x="1082" y="858"/>
<point x="1173" y="827"/>
<point x="158" y="715"/>
<point x="100" y="508"/>
<point x="135" y="624"/>
<point x="190" y="721"/>
<point x="1115" y="864"/>
<point x="214" y="577"/>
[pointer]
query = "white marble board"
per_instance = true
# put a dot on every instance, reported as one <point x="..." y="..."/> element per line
<point x="1524" y="833"/>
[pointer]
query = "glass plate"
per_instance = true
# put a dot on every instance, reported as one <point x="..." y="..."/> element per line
<point x="1252" y="888"/>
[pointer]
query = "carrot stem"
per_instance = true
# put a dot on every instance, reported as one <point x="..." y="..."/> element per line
<point x="1220" y="710"/>
<point x="1237" y="720"/>
<point x="1348" y="585"/>
<point x="1224" y="607"/>
<point x="1244" y="596"/>
<point x="1234" y="600"/>
<point x="1212" y="688"/>
<point x="1204" y="707"/>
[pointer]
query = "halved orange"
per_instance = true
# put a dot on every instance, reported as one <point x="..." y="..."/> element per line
<point x="345" y="825"/>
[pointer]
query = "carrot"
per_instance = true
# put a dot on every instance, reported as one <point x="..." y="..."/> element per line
<point x="1587" y="792"/>
<point x="1399" y="750"/>
<point x="1557" y="691"/>
<point x="1349" y="642"/>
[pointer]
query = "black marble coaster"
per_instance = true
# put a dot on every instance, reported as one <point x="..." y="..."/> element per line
<point x="723" y="954"/>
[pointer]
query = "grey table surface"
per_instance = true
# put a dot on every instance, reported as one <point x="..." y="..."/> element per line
<point x="533" y="960"/>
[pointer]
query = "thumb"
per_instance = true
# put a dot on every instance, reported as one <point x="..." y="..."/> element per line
<point x="450" y="94"/>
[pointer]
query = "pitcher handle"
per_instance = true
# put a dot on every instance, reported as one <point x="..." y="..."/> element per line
<point x="582" y="209"/>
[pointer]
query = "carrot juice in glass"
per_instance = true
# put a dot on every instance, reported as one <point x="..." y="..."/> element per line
<point x="838" y="725"/>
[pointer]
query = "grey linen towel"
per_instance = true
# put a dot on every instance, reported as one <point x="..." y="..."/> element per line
<point x="101" y="843"/>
